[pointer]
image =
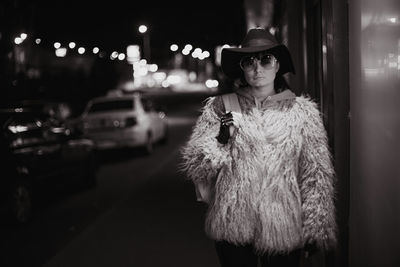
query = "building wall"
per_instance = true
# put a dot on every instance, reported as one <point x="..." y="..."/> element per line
<point x="374" y="32"/>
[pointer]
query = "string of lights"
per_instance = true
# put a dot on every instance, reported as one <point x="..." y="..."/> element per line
<point x="63" y="49"/>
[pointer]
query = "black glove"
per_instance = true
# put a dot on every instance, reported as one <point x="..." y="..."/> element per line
<point x="310" y="249"/>
<point x="226" y="122"/>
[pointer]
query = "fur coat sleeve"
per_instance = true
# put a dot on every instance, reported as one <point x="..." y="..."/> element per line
<point x="202" y="155"/>
<point x="316" y="177"/>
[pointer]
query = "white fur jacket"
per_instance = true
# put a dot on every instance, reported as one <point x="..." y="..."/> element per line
<point x="275" y="185"/>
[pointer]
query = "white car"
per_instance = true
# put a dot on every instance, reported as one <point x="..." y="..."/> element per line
<point x="124" y="121"/>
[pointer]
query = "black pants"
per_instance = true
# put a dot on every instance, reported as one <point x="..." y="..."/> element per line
<point x="244" y="256"/>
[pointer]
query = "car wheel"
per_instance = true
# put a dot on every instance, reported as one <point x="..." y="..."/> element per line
<point x="149" y="146"/>
<point x="21" y="202"/>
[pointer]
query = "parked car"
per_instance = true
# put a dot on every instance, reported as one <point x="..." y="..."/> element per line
<point x="40" y="156"/>
<point x="124" y="121"/>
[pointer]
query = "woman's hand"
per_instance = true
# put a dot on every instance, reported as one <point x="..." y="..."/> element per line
<point x="227" y="126"/>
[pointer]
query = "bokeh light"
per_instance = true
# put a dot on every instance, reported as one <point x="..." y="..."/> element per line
<point x="142" y="28"/>
<point x="81" y="50"/>
<point x="188" y="47"/>
<point x="61" y="52"/>
<point x="153" y="67"/>
<point x="114" y="55"/>
<point x="18" y="40"/>
<point x="211" y="83"/>
<point x="121" y="56"/>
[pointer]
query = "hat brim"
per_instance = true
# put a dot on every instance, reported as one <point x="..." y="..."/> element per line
<point x="230" y="58"/>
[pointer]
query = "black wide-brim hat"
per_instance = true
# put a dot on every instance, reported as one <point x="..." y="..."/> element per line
<point x="256" y="40"/>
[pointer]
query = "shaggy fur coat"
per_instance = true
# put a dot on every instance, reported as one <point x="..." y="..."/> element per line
<point x="273" y="183"/>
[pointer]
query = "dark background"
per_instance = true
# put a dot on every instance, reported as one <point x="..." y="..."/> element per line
<point x="114" y="24"/>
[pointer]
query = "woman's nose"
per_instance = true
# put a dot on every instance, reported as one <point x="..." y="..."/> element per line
<point x="257" y="65"/>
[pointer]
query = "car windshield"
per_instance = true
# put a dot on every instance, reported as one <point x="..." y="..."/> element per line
<point x="111" y="105"/>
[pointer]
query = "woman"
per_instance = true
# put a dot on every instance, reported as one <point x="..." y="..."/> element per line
<point x="269" y="170"/>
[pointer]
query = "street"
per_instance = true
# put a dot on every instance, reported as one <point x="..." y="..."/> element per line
<point x="142" y="212"/>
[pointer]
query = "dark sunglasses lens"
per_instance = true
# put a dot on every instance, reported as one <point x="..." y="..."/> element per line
<point x="246" y="62"/>
<point x="267" y="60"/>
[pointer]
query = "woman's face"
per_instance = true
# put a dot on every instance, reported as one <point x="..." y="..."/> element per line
<point x="259" y="69"/>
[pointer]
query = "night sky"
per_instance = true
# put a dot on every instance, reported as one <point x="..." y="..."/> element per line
<point x="113" y="24"/>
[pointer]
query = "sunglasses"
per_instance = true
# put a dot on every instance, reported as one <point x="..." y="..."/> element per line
<point x="250" y="62"/>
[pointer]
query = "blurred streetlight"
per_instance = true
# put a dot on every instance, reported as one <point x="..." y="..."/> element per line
<point x="196" y="53"/>
<point x="61" y="52"/>
<point x="153" y="67"/>
<point x="121" y="56"/>
<point x="18" y="40"/>
<point x="133" y="53"/>
<point x="114" y="55"/>
<point x="173" y="47"/>
<point x="188" y="47"/>
<point x="142" y="28"/>
<point x="146" y="41"/>
<point x="81" y="50"/>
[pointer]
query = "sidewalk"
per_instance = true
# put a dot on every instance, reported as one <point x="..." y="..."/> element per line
<point x="158" y="224"/>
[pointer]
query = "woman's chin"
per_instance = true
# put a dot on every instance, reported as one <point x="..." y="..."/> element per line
<point x="260" y="83"/>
